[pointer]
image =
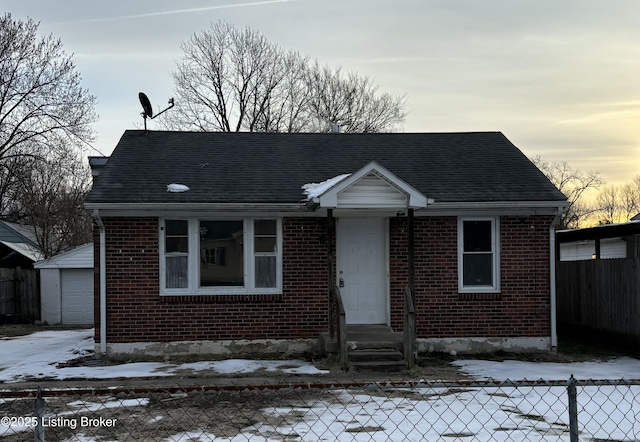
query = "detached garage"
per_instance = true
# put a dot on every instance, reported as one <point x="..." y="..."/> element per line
<point x="66" y="287"/>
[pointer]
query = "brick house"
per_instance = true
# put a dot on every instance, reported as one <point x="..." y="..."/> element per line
<point x="228" y="243"/>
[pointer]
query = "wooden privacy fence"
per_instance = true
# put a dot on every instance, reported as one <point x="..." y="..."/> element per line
<point x="601" y="295"/>
<point x="19" y="295"/>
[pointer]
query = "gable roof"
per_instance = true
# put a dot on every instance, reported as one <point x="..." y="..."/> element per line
<point x="18" y="233"/>
<point x="271" y="168"/>
<point x="21" y="239"/>
<point x="378" y="183"/>
<point x="80" y="257"/>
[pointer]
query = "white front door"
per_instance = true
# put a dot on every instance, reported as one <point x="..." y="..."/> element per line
<point x="361" y="269"/>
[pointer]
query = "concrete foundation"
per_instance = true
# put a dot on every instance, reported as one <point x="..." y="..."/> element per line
<point x="224" y="349"/>
<point x="278" y="349"/>
<point x="483" y="345"/>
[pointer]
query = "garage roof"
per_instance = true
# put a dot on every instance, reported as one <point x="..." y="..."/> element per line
<point x="79" y="258"/>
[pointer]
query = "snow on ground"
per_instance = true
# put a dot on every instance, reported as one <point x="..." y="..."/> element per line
<point x="479" y="414"/>
<point x="618" y="368"/>
<point x="35" y="356"/>
<point x="418" y="413"/>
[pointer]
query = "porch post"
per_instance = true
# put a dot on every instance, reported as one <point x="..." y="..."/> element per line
<point x="330" y="275"/>
<point x="410" y="253"/>
<point x="330" y="240"/>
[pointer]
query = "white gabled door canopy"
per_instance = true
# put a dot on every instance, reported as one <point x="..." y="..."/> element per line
<point x="371" y="187"/>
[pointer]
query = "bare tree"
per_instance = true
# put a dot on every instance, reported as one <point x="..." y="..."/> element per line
<point x="630" y="198"/>
<point x="351" y="102"/>
<point x="607" y="205"/>
<point x="574" y="184"/>
<point x="282" y="106"/>
<point x="618" y="204"/>
<point x="236" y="80"/>
<point x="11" y="206"/>
<point x="223" y="78"/>
<point x="52" y="192"/>
<point x="41" y="99"/>
<point x="45" y="119"/>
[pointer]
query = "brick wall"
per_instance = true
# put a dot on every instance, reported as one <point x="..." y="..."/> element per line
<point x="522" y="307"/>
<point x="137" y="313"/>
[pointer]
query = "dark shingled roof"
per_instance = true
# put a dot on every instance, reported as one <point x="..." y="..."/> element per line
<point x="272" y="167"/>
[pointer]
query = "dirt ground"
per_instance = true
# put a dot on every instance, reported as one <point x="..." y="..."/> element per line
<point x="156" y="415"/>
<point x="9" y="330"/>
<point x="205" y="404"/>
<point x="431" y="367"/>
<point x="195" y="415"/>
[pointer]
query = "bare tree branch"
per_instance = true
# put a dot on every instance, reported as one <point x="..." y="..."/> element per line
<point x="233" y="79"/>
<point x="45" y="117"/>
<point x="52" y="192"/>
<point x="40" y="92"/>
<point x="573" y="183"/>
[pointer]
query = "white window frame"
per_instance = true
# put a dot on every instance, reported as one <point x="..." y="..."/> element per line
<point x="495" y="248"/>
<point x="193" y="287"/>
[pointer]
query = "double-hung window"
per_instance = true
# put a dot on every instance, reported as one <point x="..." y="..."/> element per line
<point x="478" y="255"/>
<point x="210" y="256"/>
<point x="176" y="253"/>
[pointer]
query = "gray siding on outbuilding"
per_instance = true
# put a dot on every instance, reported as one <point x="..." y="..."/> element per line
<point x="66" y="287"/>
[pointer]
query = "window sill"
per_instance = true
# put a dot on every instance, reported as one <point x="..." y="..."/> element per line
<point x="482" y="296"/>
<point x="218" y="298"/>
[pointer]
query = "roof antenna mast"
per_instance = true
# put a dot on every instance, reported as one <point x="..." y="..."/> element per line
<point x="147" y="110"/>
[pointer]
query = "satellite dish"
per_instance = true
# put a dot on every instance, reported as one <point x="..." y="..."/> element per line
<point x="147" y="110"/>
<point x="146" y="105"/>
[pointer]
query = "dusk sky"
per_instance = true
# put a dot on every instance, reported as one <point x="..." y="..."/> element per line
<point x="560" y="78"/>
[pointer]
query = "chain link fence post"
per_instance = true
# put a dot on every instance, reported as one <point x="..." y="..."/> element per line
<point x="573" y="409"/>
<point x="38" y="434"/>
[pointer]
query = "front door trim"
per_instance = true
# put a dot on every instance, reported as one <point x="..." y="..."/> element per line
<point x="384" y="317"/>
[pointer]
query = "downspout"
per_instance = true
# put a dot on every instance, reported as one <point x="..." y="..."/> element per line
<point x="552" y="277"/>
<point x="103" y="283"/>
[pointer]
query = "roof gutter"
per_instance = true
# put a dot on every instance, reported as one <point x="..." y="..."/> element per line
<point x="103" y="283"/>
<point x="552" y="277"/>
<point x="310" y="206"/>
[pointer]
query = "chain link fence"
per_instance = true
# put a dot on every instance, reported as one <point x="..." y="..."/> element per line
<point x="568" y="410"/>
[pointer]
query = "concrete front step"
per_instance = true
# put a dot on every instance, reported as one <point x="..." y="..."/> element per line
<point x="377" y="359"/>
<point x="382" y="354"/>
<point x="378" y="366"/>
<point x="371" y="348"/>
<point x="362" y="337"/>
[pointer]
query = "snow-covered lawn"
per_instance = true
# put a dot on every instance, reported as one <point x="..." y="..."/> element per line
<point x="617" y="368"/>
<point x="370" y="412"/>
<point x="36" y="356"/>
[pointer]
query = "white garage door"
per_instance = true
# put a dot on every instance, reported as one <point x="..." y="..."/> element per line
<point x="77" y="296"/>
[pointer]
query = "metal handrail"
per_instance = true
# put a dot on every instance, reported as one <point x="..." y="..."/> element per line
<point x="332" y="301"/>
<point x="409" y="329"/>
<point x="342" y="329"/>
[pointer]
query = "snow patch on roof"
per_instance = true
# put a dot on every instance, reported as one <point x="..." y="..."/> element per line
<point x="177" y="188"/>
<point x="313" y="190"/>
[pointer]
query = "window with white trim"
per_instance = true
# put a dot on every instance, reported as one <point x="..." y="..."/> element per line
<point x="211" y="256"/>
<point x="478" y="255"/>
<point x="176" y="248"/>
